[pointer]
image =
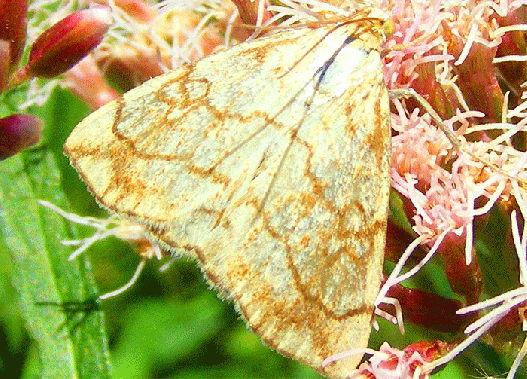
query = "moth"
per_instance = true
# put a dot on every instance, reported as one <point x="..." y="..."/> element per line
<point x="268" y="164"/>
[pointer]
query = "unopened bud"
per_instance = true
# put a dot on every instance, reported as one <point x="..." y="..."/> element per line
<point x="139" y="10"/>
<point x="13" y="22"/>
<point x="249" y="11"/>
<point x="5" y="49"/>
<point x="64" y="44"/>
<point x="86" y="81"/>
<point x="18" y="132"/>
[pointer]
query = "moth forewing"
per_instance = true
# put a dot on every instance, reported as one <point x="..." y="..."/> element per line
<point x="268" y="162"/>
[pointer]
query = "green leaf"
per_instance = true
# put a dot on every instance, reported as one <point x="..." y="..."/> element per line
<point x="42" y="273"/>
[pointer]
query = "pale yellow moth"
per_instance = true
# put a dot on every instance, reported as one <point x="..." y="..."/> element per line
<point x="268" y="163"/>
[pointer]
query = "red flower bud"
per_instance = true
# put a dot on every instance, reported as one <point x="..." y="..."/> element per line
<point x="5" y="51"/>
<point x="249" y="11"/>
<point x="428" y="309"/>
<point x="139" y="10"/>
<point x="18" y="132"/>
<point x="13" y="21"/>
<point x="64" y="44"/>
<point x="86" y="81"/>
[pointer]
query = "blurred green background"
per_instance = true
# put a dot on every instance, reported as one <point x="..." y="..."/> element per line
<point x="169" y="325"/>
